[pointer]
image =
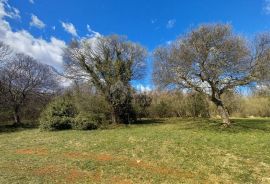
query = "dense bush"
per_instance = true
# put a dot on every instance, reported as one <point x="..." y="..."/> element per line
<point x="56" y="123"/>
<point x="88" y="102"/>
<point x="88" y="121"/>
<point x="58" y="115"/>
<point x="79" y="108"/>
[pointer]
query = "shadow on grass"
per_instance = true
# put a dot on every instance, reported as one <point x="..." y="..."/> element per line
<point x="238" y="125"/>
<point x="252" y="124"/>
<point x="149" y="121"/>
<point x="215" y="125"/>
<point x="11" y="128"/>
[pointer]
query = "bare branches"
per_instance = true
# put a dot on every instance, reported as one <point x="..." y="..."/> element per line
<point x="5" y="53"/>
<point x="213" y="54"/>
<point x="213" y="60"/>
<point x="23" y="78"/>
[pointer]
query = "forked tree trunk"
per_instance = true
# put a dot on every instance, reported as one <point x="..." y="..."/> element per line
<point x="224" y="115"/>
<point x="223" y="111"/>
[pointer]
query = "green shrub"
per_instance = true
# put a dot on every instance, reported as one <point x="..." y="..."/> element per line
<point x="88" y="121"/>
<point x="87" y="103"/>
<point x="58" y="115"/>
<point x="57" y="123"/>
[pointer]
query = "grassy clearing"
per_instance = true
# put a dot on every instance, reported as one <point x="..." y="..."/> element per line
<point x="167" y="151"/>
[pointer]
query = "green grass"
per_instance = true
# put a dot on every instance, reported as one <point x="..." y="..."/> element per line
<point x="167" y="151"/>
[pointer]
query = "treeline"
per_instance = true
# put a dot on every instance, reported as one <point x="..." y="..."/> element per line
<point x="196" y="76"/>
<point x="80" y="106"/>
<point x="194" y="104"/>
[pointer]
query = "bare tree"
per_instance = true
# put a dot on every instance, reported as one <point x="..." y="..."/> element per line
<point x="22" y="78"/>
<point x="5" y="53"/>
<point x="109" y="63"/>
<point x="212" y="60"/>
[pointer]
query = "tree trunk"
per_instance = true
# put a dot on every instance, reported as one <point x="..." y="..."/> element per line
<point x="223" y="111"/>
<point x="17" y="119"/>
<point x="224" y="115"/>
<point x="115" y="117"/>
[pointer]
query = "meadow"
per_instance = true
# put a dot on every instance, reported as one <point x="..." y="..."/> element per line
<point x="153" y="151"/>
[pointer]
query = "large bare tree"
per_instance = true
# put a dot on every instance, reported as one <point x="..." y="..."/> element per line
<point x="5" y="53"/>
<point x="5" y="56"/>
<point x="212" y="60"/>
<point x="23" y="78"/>
<point x="109" y="63"/>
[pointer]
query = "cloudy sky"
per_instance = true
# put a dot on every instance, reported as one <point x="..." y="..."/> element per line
<point x="41" y="28"/>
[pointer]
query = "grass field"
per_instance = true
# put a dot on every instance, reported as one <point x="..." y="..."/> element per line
<point x="165" y="151"/>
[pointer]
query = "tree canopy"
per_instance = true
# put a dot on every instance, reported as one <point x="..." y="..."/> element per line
<point x="22" y="78"/>
<point x="212" y="60"/>
<point x="110" y="64"/>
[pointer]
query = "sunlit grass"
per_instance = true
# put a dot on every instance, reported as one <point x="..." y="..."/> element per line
<point x="166" y="151"/>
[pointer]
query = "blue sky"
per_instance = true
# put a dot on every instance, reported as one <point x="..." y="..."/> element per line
<point x="151" y="23"/>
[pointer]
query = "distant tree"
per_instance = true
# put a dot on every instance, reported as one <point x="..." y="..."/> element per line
<point x="143" y="101"/>
<point x="5" y="53"/>
<point x="21" y="79"/>
<point x="196" y="105"/>
<point x="109" y="63"/>
<point x="212" y="60"/>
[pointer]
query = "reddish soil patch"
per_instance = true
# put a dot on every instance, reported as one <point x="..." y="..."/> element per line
<point x="76" y="175"/>
<point x="68" y="175"/>
<point x="51" y="170"/>
<point x="160" y="170"/>
<point x="73" y="174"/>
<point x="97" y="176"/>
<point x="37" y="151"/>
<point x="132" y="163"/>
<point x="103" y="157"/>
<point x="92" y="156"/>
<point x="120" y="180"/>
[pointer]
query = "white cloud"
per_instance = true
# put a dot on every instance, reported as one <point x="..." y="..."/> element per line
<point x="170" y="23"/>
<point x="142" y="88"/>
<point x="267" y="6"/>
<point x="92" y="32"/>
<point x="32" y="1"/>
<point x="49" y="52"/>
<point x="36" y="22"/>
<point x="70" y="28"/>
<point x="8" y="11"/>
